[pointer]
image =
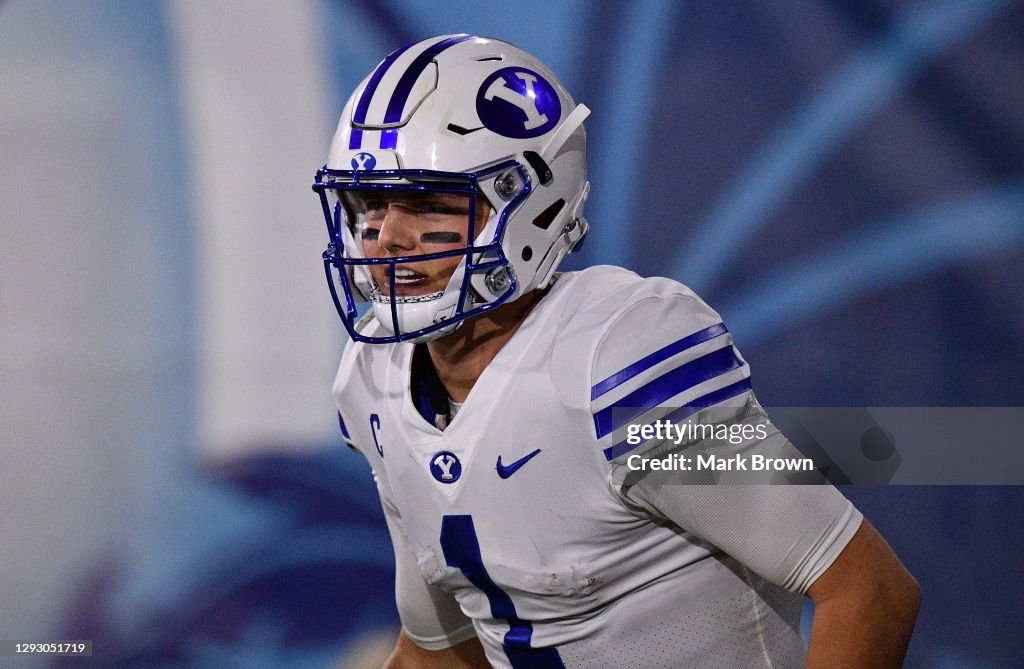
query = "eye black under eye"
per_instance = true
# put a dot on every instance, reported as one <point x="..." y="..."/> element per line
<point x="441" y="237"/>
<point x="370" y="234"/>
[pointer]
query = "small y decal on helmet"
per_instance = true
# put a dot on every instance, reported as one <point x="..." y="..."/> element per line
<point x="363" y="161"/>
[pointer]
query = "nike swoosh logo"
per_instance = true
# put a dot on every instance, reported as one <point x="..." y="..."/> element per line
<point x="504" y="471"/>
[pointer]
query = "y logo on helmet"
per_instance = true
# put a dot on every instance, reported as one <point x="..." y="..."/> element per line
<point x="519" y="103"/>
<point x="363" y="161"/>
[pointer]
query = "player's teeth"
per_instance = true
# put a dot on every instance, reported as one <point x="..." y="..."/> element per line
<point x="406" y="274"/>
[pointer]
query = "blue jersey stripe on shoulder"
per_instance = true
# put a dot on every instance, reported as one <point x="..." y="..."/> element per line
<point x="646" y="363"/>
<point x="341" y="423"/>
<point x="712" y="398"/>
<point x="667" y="385"/>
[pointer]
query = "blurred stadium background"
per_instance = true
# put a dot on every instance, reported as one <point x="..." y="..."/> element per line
<point x="842" y="179"/>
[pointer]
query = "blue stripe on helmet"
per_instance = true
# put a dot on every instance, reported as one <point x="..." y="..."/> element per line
<point x="667" y="385"/>
<point x="712" y="398"/>
<point x="389" y="138"/>
<point x="355" y="139"/>
<point x="651" y="360"/>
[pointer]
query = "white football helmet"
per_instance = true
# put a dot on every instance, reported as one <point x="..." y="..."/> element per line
<point x="457" y="114"/>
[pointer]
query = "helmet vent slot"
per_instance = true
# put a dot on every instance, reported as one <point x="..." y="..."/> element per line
<point x="539" y="166"/>
<point x="489" y="58"/>
<point x="527" y="253"/>
<point x="543" y="221"/>
<point x="459" y="130"/>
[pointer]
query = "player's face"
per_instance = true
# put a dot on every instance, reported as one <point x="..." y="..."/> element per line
<point x="405" y="223"/>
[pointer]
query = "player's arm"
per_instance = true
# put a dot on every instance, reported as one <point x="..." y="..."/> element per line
<point x="811" y="540"/>
<point x="793" y="535"/>
<point x="808" y="539"/>
<point x="466" y="655"/>
<point x="865" y="605"/>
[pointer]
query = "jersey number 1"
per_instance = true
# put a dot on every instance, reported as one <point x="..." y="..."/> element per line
<point x="462" y="551"/>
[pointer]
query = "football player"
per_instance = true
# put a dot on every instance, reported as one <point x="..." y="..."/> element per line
<point x="490" y="395"/>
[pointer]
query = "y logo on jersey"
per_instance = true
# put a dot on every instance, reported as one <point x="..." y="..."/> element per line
<point x="504" y="471"/>
<point x="516" y="102"/>
<point x="445" y="467"/>
<point x="363" y="161"/>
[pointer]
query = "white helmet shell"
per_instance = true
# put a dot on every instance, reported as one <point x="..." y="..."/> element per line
<point x="452" y="107"/>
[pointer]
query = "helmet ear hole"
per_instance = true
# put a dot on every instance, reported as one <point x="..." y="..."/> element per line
<point x="544" y="219"/>
<point x="527" y="253"/>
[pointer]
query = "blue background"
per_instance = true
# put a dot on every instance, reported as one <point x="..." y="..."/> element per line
<point x="842" y="180"/>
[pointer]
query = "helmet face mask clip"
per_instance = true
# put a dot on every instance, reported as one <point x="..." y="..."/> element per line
<point x="451" y="116"/>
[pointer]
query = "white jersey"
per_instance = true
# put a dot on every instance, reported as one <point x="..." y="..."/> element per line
<point x="513" y="512"/>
